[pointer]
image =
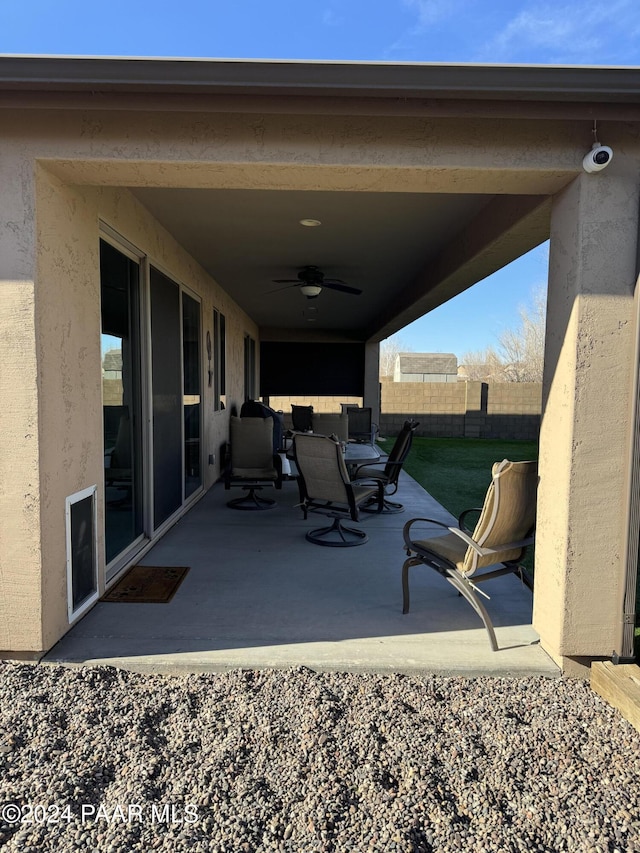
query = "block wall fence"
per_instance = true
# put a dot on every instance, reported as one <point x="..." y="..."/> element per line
<point x="506" y="410"/>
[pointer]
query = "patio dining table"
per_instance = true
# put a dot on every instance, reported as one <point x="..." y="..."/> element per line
<point x="355" y="453"/>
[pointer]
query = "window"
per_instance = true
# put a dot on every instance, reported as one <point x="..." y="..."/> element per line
<point x="219" y="361"/>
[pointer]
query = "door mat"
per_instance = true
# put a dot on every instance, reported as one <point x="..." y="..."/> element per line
<point x="148" y="584"/>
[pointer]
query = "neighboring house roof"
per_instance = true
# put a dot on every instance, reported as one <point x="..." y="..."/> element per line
<point x="428" y="362"/>
<point x="112" y="360"/>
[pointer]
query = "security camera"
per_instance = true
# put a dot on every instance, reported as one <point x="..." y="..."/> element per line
<point x="598" y="158"/>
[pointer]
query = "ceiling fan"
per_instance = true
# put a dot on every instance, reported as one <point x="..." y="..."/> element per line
<point x="312" y="282"/>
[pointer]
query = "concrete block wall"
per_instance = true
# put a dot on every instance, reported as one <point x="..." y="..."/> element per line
<point x="320" y="404"/>
<point x="505" y="410"/>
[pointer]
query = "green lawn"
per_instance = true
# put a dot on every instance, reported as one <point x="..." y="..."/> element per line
<point x="457" y="471"/>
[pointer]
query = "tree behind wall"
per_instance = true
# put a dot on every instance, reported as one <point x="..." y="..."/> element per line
<point x="519" y="356"/>
<point x="389" y="349"/>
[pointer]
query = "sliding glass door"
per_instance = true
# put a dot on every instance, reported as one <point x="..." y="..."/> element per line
<point x="166" y="382"/>
<point x="151" y="340"/>
<point x="121" y="399"/>
<point x="176" y="395"/>
<point x="191" y="393"/>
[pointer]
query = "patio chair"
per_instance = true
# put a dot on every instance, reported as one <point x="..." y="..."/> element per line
<point x="331" y="423"/>
<point x="251" y="463"/>
<point x="388" y="470"/>
<point x="301" y="418"/>
<point x="325" y="488"/>
<point x="361" y="426"/>
<point x="500" y="538"/>
<point x="257" y="409"/>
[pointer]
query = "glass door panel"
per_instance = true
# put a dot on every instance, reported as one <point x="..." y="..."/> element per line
<point x="121" y="399"/>
<point x="166" y="379"/>
<point x="191" y="393"/>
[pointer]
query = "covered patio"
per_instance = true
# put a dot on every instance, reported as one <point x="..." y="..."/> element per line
<point x="259" y="595"/>
<point x="160" y="218"/>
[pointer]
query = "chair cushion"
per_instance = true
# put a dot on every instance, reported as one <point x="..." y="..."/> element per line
<point x="449" y="546"/>
<point x="371" y="472"/>
<point x="361" y="493"/>
<point x="508" y="513"/>
<point x="251" y="443"/>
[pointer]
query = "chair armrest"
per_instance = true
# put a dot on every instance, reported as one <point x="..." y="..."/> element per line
<point x="463" y="515"/>
<point x="407" y="528"/>
<point x="487" y="552"/>
<point x="366" y="465"/>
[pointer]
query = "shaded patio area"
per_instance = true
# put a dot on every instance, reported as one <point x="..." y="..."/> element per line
<point x="259" y="595"/>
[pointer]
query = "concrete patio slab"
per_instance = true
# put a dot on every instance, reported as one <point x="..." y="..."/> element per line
<point x="258" y="595"/>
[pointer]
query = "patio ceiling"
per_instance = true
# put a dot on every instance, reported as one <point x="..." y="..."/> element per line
<point x="378" y="242"/>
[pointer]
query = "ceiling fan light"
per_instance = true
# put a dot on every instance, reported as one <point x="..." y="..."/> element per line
<point x="311" y="290"/>
<point x="310" y="223"/>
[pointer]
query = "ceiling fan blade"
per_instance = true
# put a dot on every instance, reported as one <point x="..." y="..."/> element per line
<point x="287" y="287"/>
<point x="286" y="281"/>
<point x="343" y="288"/>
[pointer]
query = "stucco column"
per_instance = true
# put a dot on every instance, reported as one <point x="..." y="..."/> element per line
<point x="585" y="432"/>
<point x="20" y="546"/>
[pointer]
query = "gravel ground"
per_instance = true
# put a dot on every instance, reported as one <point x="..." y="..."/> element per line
<point x="99" y="759"/>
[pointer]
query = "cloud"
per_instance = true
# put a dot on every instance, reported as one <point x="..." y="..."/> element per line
<point x="429" y="12"/>
<point x="584" y="32"/>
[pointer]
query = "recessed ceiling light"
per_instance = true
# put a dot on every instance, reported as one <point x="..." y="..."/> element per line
<point x="310" y="223"/>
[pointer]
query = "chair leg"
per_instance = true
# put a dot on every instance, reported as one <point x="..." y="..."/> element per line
<point x="347" y="537"/>
<point x="251" y="501"/>
<point x="466" y="592"/>
<point x="388" y="507"/>
<point x="462" y="588"/>
<point x="411" y="561"/>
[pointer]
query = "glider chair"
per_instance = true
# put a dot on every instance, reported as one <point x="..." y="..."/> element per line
<point x="495" y="547"/>
<point x="251" y="463"/>
<point x="388" y="470"/>
<point x="325" y="488"/>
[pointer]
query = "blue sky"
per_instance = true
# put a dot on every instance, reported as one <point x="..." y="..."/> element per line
<point x="577" y="32"/>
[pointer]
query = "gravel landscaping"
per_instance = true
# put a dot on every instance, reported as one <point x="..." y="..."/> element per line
<point x="100" y="759"/>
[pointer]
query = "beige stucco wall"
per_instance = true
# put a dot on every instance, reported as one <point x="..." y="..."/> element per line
<point x="586" y="426"/>
<point x="69" y="352"/>
<point x="52" y="379"/>
<point x="20" y="544"/>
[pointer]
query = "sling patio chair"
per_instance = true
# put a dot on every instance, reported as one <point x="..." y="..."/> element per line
<point x="388" y="470"/>
<point x="251" y="463"/>
<point x="325" y="488"/>
<point x="361" y="426"/>
<point x="331" y="423"/>
<point x="301" y="418"/>
<point x="501" y="536"/>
